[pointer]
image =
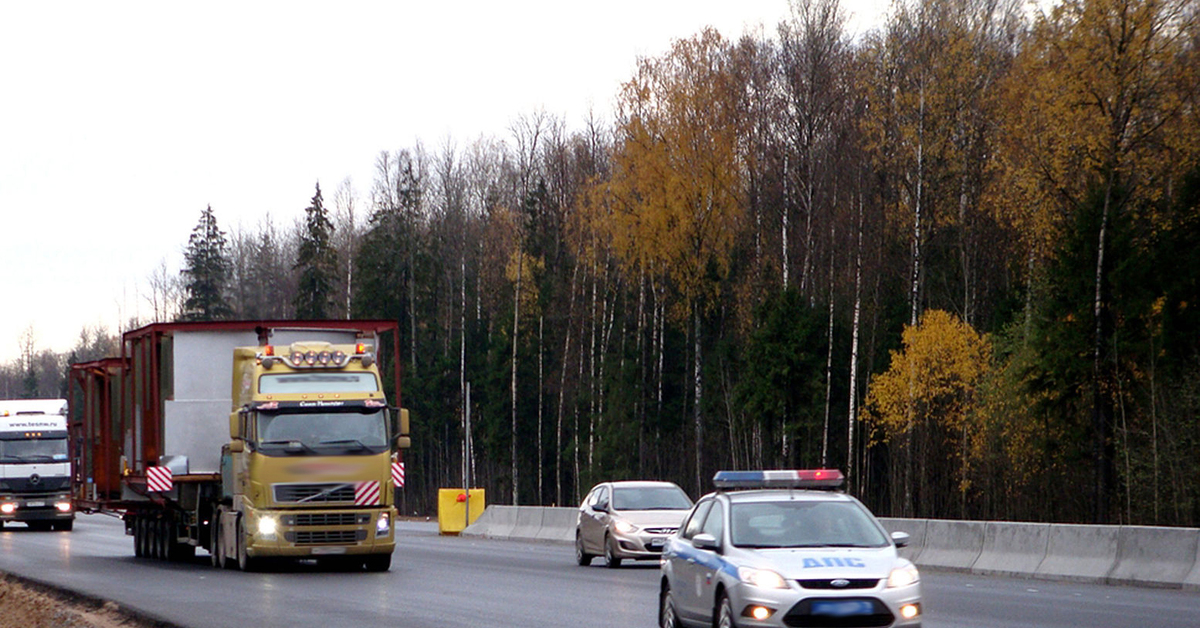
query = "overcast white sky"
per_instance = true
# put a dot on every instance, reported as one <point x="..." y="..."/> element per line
<point x="121" y="121"/>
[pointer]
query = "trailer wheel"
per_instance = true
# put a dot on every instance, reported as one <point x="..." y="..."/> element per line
<point x="139" y="536"/>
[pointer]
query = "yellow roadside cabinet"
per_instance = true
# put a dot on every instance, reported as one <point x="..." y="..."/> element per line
<point x="454" y="507"/>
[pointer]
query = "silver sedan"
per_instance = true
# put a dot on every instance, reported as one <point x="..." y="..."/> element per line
<point x="628" y="520"/>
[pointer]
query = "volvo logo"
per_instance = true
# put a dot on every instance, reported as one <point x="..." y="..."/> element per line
<point x="840" y="583"/>
<point x="35" y="479"/>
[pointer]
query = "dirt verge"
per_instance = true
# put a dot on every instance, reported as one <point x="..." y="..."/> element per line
<point x="27" y="604"/>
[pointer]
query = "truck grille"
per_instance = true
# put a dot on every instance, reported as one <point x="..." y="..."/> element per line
<point x="323" y="493"/>
<point x="319" y="537"/>
<point x="327" y="519"/>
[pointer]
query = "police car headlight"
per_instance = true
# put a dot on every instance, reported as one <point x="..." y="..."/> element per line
<point x="761" y="578"/>
<point x="903" y="576"/>
<point x="624" y="527"/>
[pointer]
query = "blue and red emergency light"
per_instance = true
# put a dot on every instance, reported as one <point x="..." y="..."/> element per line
<point x="804" y="478"/>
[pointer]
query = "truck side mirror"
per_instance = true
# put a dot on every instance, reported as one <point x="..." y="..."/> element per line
<point x="403" y="440"/>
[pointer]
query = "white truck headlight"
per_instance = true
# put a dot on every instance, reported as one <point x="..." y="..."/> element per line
<point x="383" y="524"/>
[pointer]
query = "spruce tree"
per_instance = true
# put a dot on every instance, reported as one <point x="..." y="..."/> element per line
<point x="317" y="262"/>
<point x="206" y="272"/>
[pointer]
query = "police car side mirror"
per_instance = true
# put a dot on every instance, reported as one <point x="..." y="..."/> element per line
<point x="705" y="542"/>
<point x="900" y="539"/>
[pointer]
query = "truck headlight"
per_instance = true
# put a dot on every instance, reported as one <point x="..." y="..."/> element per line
<point x="63" y="506"/>
<point x="267" y="527"/>
<point x="383" y="524"/>
<point x="8" y="508"/>
<point x="903" y="576"/>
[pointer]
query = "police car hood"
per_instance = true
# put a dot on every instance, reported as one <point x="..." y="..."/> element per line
<point x="830" y="562"/>
<point x="654" y="518"/>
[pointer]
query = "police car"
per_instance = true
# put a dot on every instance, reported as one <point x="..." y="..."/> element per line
<point x="785" y="548"/>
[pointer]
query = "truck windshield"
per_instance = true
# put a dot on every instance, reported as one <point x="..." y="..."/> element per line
<point x="322" y="433"/>
<point x="33" y="450"/>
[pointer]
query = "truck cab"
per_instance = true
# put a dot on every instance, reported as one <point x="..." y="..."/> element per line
<point x="308" y="469"/>
<point x="35" y="470"/>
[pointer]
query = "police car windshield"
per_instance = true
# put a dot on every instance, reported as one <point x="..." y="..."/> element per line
<point x="650" y="498"/>
<point x="799" y="523"/>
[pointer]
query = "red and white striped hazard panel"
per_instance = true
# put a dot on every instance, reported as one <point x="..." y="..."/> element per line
<point x="398" y="474"/>
<point x="366" y="494"/>
<point x="158" y="479"/>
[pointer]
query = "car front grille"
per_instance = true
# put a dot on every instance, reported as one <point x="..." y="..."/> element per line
<point x="825" y="584"/>
<point x="661" y="530"/>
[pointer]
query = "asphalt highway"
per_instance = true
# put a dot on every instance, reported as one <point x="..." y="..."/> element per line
<point x="451" y="581"/>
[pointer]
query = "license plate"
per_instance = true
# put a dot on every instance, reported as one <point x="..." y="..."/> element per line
<point x="657" y="542"/>
<point x="326" y="551"/>
<point x="842" y="608"/>
<point x="34" y="504"/>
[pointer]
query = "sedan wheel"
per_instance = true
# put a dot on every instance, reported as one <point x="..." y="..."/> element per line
<point x="582" y="557"/>
<point x="725" y="616"/>
<point x="611" y="560"/>
<point x="666" y="611"/>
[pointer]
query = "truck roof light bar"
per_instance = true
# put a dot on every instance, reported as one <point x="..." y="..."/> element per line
<point x="827" y="479"/>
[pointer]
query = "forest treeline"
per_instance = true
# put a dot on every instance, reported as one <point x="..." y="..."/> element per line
<point x="955" y="257"/>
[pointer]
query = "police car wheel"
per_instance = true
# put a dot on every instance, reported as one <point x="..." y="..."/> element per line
<point x="725" y="614"/>
<point x="666" y="611"/>
<point x="611" y="560"/>
<point x="582" y="557"/>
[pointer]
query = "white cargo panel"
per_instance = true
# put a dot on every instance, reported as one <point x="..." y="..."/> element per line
<point x="196" y="416"/>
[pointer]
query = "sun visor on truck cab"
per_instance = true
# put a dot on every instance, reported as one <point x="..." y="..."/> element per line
<point x="33" y="433"/>
<point x="318" y="405"/>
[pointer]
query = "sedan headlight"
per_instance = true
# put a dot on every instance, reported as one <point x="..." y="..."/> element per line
<point x="903" y="576"/>
<point x="624" y="527"/>
<point x="761" y="578"/>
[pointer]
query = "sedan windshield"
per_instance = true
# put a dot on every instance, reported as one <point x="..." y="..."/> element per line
<point x="650" y="498"/>
<point x="803" y="524"/>
<point x="322" y="432"/>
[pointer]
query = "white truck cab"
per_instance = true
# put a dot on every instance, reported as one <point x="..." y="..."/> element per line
<point x="35" y="468"/>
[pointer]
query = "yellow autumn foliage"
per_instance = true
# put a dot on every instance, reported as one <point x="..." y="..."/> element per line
<point x="931" y="380"/>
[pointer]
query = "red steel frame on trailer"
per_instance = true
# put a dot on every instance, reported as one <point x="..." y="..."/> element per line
<point x="92" y="427"/>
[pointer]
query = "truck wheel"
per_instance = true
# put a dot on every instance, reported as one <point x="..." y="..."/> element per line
<point x="65" y="526"/>
<point x="214" y="548"/>
<point x="378" y="562"/>
<point x="245" y="561"/>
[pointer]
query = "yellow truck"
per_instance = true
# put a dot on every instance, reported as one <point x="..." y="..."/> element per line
<point x="257" y="441"/>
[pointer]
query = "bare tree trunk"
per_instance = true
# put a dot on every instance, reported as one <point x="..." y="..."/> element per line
<point x="541" y="384"/>
<point x="562" y="387"/>
<point x="699" y="391"/>
<point x="852" y="471"/>
<point x="1101" y="425"/>
<point x="515" y="342"/>
<point x="829" y="352"/>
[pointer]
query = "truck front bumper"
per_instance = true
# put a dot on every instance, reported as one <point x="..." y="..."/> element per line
<point x="37" y="507"/>
<point x="317" y="533"/>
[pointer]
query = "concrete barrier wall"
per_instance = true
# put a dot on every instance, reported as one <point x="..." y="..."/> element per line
<point x="1138" y="555"/>
<point x="952" y="545"/>
<point x="1079" y="552"/>
<point x="1012" y="548"/>
<point x="1154" y="556"/>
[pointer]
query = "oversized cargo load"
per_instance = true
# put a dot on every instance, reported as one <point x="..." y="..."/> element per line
<point x="35" y="473"/>
<point x="251" y="439"/>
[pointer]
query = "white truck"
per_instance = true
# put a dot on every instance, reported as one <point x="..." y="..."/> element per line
<point x="35" y="468"/>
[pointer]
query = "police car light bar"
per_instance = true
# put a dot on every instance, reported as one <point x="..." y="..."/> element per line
<point x="806" y="478"/>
